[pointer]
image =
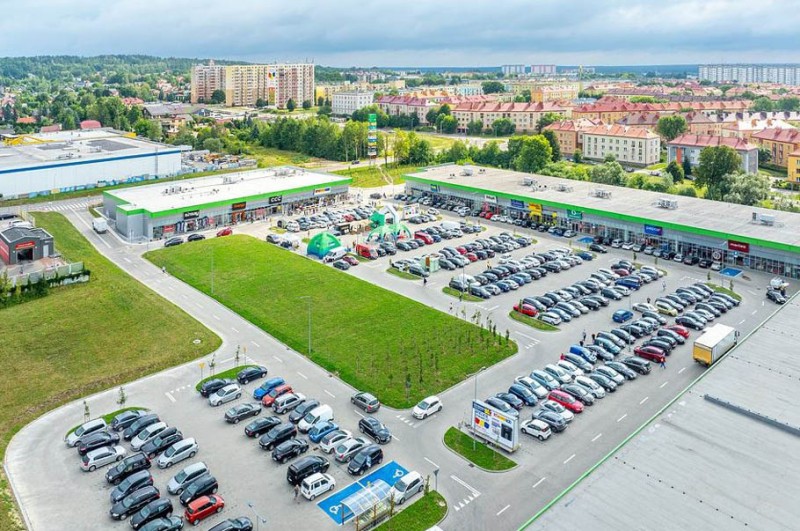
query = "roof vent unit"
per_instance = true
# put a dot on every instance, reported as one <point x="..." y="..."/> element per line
<point x="467" y="170"/>
<point x="669" y="204"/>
<point x="563" y="188"/>
<point x="767" y="219"/>
<point x="527" y="181"/>
<point x="601" y="193"/>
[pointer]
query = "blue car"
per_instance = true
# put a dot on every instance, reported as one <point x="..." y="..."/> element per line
<point x="264" y="389"/>
<point x="583" y="352"/>
<point x="621" y="316"/>
<point x="321" y="429"/>
<point x="608" y="345"/>
<point x="585" y="256"/>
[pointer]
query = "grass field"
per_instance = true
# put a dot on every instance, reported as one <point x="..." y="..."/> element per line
<point x="402" y="274"/>
<point x="372" y="338"/>
<point x="721" y="289"/>
<point x="277" y="157"/>
<point x="371" y="177"/>
<point x="460" y="295"/>
<point x="423" y="514"/>
<point x="482" y="455"/>
<point x="439" y="143"/>
<point x="532" y="322"/>
<point x="85" y="338"/>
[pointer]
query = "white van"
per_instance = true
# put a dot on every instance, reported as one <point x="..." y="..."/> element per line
<point x="100" y="225"/>
<point x="334" y="254"/>
<point x="92" y="426"/>
<point x="317" y="484"/>
<point x="318" y="414"/>
<point x="293" y="226"/>
<point x="450" y="225"/>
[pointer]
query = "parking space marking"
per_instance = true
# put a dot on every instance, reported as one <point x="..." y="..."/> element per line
<point x="663" y="384"/>
<point x="395" y="438"/>
<point x="329" y="393"/>
<point x="171" y="287"/>
<point x="357" y="412"/>
<point x="431" y="462"/>
<point x="464" y="484"/>
<point x="750" y="291"/>
<point x="645" y="399"/>
<point x="597" y="437"/>
<point x="538" y="483"/>
<point x="302" y="375"/>
<point x="234" y="330"/>
<point x="569" y="459"/>
<point x="501" y="511"/>
<point x="277" y="358"/>
<point x="493" y="308"/>
<point x="169" y="395"/>
<point x="680" y="371"/>
<point x="256" y="344"/>
<point x="742" y="321"/>
<point x="199" y="305"/>
<point x="215" y="316"/>
<point x="755" y="311"/>
<point x="332" y="505"/>
<point x="622" y="417"/>
<point x="127" y="259"/>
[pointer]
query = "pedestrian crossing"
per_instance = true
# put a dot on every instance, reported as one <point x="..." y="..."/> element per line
<point x="63" y="207"/>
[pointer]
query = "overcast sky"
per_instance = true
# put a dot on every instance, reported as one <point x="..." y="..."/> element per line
<point x="411" y="32"/>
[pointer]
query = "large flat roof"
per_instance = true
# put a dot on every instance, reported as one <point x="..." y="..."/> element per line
<point x="699" y="465"/>
<point x="219" y="189"/>
<point x="712" y="218"/>
<point x="45" y="149"/>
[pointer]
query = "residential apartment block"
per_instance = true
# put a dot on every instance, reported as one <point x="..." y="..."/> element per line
<point x="543" y="93"/>
<point x="406" y="105"/>
<point x="569" y="134"/>
<point x="689" y="147"/>
<point x="543" y="70"/>
<point x="613" y="111"/>
<point x="513" y="70"/>
<point x="346" y="103"/>
<point x="523" y="115"/>
<point x="793" y="168"/>
<point x="628" y="145"/>
<point x="780" y="143"/>
<point x="788" y="74"/>
<point x="244" y="85"/>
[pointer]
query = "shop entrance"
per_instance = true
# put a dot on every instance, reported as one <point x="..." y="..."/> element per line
<point x="25" y="254"/>
<point x="237" y="217"/>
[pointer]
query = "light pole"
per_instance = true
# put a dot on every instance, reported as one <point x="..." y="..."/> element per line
<point x="308" y="298"/>
<point x="475" y="397"/>
<point x="259" y="519"/>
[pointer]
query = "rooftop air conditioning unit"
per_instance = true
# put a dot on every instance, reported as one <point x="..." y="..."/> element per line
<point x="563" y="188"/>
<point x="466" y="171"/>
<point x="527" y="181"/>
<point x="767" y="219"/>
<point x="669" y="204"/>
<point x="602" y="194"/>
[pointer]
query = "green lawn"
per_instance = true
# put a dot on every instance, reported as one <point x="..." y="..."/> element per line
<point x="439" y="143"/>
<point x="482" y="455"/>
<point x="423" y="514"/>
<point x="402" y="274"/>
<point x="720" y="289"/>
<point x="371" y="177"/>
<point x="85" y="338"/>
<point x="230" y="373"/>
<point x="533" y="322"/>
<point x="460" y="295"/>
<point x="108" y="417"/>
<point x="659" y="166"/>
<point x="372" y="338"/>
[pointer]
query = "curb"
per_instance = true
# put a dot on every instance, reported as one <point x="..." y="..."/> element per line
<point x="516" y="465"/>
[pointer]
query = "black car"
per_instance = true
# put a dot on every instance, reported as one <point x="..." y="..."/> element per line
<point x="580" y="393"/>
<point x="304" y="467"/>
<point x="606" y="383"/>
<point x="242" y="411"/>
<point x="640" y="365"/>
<point x="202" y="486"/>
<point x="234" y="524"/>
<point x="172" y="242"/>
<point x="523" y="393"/>
<point x="126" y="467"/>
<point x="365" y="459"/>
<point x="126" y="418"/>
<point x="133" y="502"/>
<point x="259" y="427"/>
<point x="173" y="523"/>
<point x="133" y="482"/>
<point x="665" y="332"/>
<point x="195" y="238"/>
<point x="705" y="263"/>
<point x="97" y="440"/>
<point x="162" y="441"/>
<point x="623" y="369"/>
<point x="251" y="373"/>
<point x="591" y="303"/>
<point x="212" y="386"/>
<point x="277" y="435"/>
<point x="139" y="424"/>
<point x="596" y="247"/>
<point x="341" y="265"/>
<point x="301" y="410"/>
<point x="289" y="449"/>
<point x="664" y="344"/>
<point x="776" y="296"/>
<point x="688" y="322"/>
<point x="374" y="429"/>
<point x="158" y="508"/>
<point x="510" y="399"/>
<point x="556" y="422"/>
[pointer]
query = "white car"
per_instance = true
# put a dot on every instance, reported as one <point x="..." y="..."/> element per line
<point x="427" y="407"/>
<point x="349" y="448"/>
<point x="405" y="487"/>
<point x="560" y="374"/>
<point x="652" y="271"/>
<point x="226" y="394"/>
<point x="317" y="484"/>
<point x="180" y="480"/>
<point x="558" y="408"/>
<point x="102" y="457"/>
<point x="505" y="258"/>
<point x="622" y="290"/>
<point x="570" y="368"/>
<point x="536" y="428"/>
<point x="147" y="435"/>
<point x="538" y="389"/>
<point x="287" y="402"/>
<point x="644" y="307"/>
<point x="627" y="246"/>
<point x="591" y="386"/>
<point x="177" y="452"/>
<point x="330" y="441"/>
<point x="86" y="428"/>
<point x="550" y="318"/>
<point x="616" y="244"/>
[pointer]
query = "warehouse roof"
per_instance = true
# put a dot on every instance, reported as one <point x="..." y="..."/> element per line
<point x="712" y="218"/>
<point x="219" y="189"/>
<point x="15" y="233"/>
<point x="25" y="152"/>
<point x="701" y="465"/>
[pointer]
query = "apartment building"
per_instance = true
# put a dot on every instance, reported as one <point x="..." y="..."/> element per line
<point x="543" y="70"/>
<point x="244" y="85"/>
<point x="544" y="93"/>
<point x="780" y="142"/>
<point x="523" y="115"/>
<point x="346" y="103"/>
<point x="632" y="146"/>
<point x="406" y="105"/>
<point x="612" y="111"/>
<point x="788" y="74"/>
<point x="513" y="70"/>
<point x="569" y="134"/>
<point x="689" y="146"/>
<point x="746" y="128"/>
<point x="793" y="168"/>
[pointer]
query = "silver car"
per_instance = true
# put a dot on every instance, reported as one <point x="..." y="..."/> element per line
<point x="180" y="480"/>
<point x="334" y="439"/>
<point x="102" y="457"/>
<point x="349" y="448"/>
<point x="177" y="452"/>
<point x="147" y="434"/>
<point x="591" y="386"/>
<point x="226" y="394"/>
<point x="555" y="407"/>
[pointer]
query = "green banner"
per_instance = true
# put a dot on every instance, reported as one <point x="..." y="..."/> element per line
<point x="574" y="214"/>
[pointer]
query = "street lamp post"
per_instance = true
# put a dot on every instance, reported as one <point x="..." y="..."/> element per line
<point x="475" y="397"/>
<point x="308" y="298"/>
<point x="259" y="519"/>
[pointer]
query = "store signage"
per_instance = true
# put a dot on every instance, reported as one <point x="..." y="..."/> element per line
<point x="169" y="228"/>
<point x="239" y="206"/>
<point x="653" y="230"/>
<point x="738" y="246"/>
<point x="192" y="214"/>
<point x="535" y="210"/>
<point x="25" y="245"/>
<point x="574" y="214"/>
<point x="434" y="188"/>
<point x="490" y="198"/>
<point x="717" y="255"/>
<point x="517" y="204"/>
<point x="276" y="200"/>
<point x="495" y="426"/>
<point x="320" y="191"/>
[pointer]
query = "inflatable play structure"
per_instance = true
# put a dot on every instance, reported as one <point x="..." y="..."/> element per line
<point x="322" y="244"/>
<point x="387" y="225"/>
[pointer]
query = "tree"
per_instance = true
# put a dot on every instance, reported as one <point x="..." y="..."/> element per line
<point x="675" y="169"/>
<point x="790" y="104"/>
<point x="447" y="124"/>
<point x="762" y="104"/>
<point x="721" y="187"/>
<point x="260" y="103"/>
<point x="748" y="189"/>
<point x="493" y="87"/>
<point x="213" y="144"/>
<point x="503" y="126"/>
<point x="577" y="157"/>
<point x="218" y="96"/>
<point x="420" y="151"/>
<point x="474" y="128"/>
<point x="291" y="105"/>
<point x="431" y="116"/>
<point x="306" y="104"/>
<point x="320" y="101"/>
<point x="687" y="167"/>
<point x="764" y="156"/>
<point x="150" y="129"/>
<point x="671" y="127"/>
<point x="608" y="173"/>
<point x="550" y="136"/>
<point x="534" y="155"/>
<point x="546" y="119"/>
<point x="687" y="190"/>
<point x="715" y="162"/>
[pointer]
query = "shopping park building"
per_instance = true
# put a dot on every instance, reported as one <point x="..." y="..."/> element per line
<point x="736" y="235"/>
<point x="168" y="209"/>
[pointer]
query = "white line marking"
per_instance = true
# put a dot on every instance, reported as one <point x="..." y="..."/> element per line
<point x="493" y="308"/>
<point x="302" y="375"/>
<point x="171" y="287"/>
<point x="742" y="321"/>
<point x="680" y="371"/>
<point x="431" y="462"/>
<point x="527" y="336"/>
<point x="215" y="317"/>
<point x="465" y="485"/>
<point x="234" y="330"/>
<point x="501" y="511"/>
<point x="569" y="459"/>
<point x="329" y="393"/>
<point x="753" y="312"/>
<point x="538" y="483"/>
<point x="622" y="417"/>
<point x="256" y="344"/>
<point x="752" y="292"/>
<point x="169" y="395"/>
<point x="199" y="305"/>
<point x="277" y="358"/>
<point x="357" y="412"/>
<point x="597" y="437"/>
<point x="393" y="436"/>
<point x="663" y="384"/>
<point x="127" y="259"/>
<point x="645" y="399"/>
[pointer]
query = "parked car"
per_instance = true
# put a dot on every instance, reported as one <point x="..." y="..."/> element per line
<point x="202" y="486"/>
<point x="365" y="401"/>
<point x="277" y="435"/>
<point x="287" y="402"/>
<point x="97" y="440"/>
<point x="650" y="353"/>
<point x="349" y="448"/>
<point x="134" y="501"/>
<point x="227" y="231"/>
<point x="289" y="449"/>
<point x="134" y="481"/>
<point x="240" y="412"/>
<point x="172" y="242"/>
<point x="427" y="407"/>
<point x="179" y="481"/>
<point x="374" y="429"/>
<point x="158" y="508"/>
<point x="321" y="429"/>
<point x="276" y="392"/>
<point x="637" y="364"/>
<point x="407" y="486"/>
<point x="84" y="430"/>
<point x="566" y="400"/>
<point x="536" y="428"/>
<point x="625" y="371"/>
<point x="242" y="523"/>
<point x="129" y="465"/>
<point x="333" y="439"/>
<point x="610" y="373"/>
<point x="621" y="316"/>
<point x="210" y="387"/>
<point x="126" y="418"/>
<point x="249" y="374"/>
<point x="203" y="507"/>
<point x="177" y="452"/>
<point x="302" y="410"/>
<point x="556" y="422"/>
<point x="316" y="485"/>
<point x="260" y="426"/>
<point x="195" y="237"/>
<point x="100" y="457"/>
<point x="162" y="441"/>
<point x="365" y="459"/>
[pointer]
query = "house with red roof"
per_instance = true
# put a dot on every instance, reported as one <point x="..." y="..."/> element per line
<point x="689" y="146"/>
<point x="628" y="145"/>
<point x="524" y="116"/>
<point x="780" y="142"/>
<point x="569" y="134"/>
<point x="407" y="105"/>
<point x="90" y="124"/>
<point x="26" y="120"/>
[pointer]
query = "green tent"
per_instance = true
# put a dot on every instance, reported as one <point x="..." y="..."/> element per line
<point x="322" y="243"/>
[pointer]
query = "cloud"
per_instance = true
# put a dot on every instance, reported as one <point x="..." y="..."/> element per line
<point x="411" y="33"/>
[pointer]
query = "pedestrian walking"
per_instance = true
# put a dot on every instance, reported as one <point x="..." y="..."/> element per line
<point x="296" y="492"/>
<point x="648" y="298"/>
<point x="593" y="336"/>
<point x="663" y="363"/>
<point x="584" y="336"/>
<point x="581" y="342"/>
<point x="664" y="286"/>
<point x="451" y="307"/>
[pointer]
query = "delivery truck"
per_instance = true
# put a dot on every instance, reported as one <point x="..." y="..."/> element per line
<point x="715" y="342"/>
<point x="100" y="225"/>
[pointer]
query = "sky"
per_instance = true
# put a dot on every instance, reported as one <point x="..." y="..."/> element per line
<point x="433" y="33"/>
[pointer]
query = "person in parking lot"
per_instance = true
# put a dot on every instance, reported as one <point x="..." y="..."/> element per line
<point x="424" y="281"/>
<point x="663" y="363"/>
<point x="296" y="492"/>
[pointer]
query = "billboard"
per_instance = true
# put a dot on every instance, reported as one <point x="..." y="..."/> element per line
<point x="372" y="135"/>
<point x="493" y="425"/>
<point x="574" y="214"/>
<point x="490" y="198"/>
<point x="535" y="210"/>
<point x="515" y="203"/>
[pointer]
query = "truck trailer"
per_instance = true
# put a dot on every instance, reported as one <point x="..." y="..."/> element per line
<point x="715" y="342"/>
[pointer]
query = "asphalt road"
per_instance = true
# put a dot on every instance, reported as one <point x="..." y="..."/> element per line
<point x="40" y="466"/>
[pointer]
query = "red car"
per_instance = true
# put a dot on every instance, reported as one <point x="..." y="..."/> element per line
<point x="566" y="400"/>
<point x="482" y="215"/>
<point x="526" y="309"/>
<point x="270" y="397"/>
<point x="461" y="250"/>
<point x="352" y="260"/>
<point x="227" y="231"/>
<point x="650" y="353"/>
<point x="680" y="330"/>
<point x="472" y="257"/>
<point x="203" y="507"/>
<point x="621" y="272"/>
<point x="489" y="215"/>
